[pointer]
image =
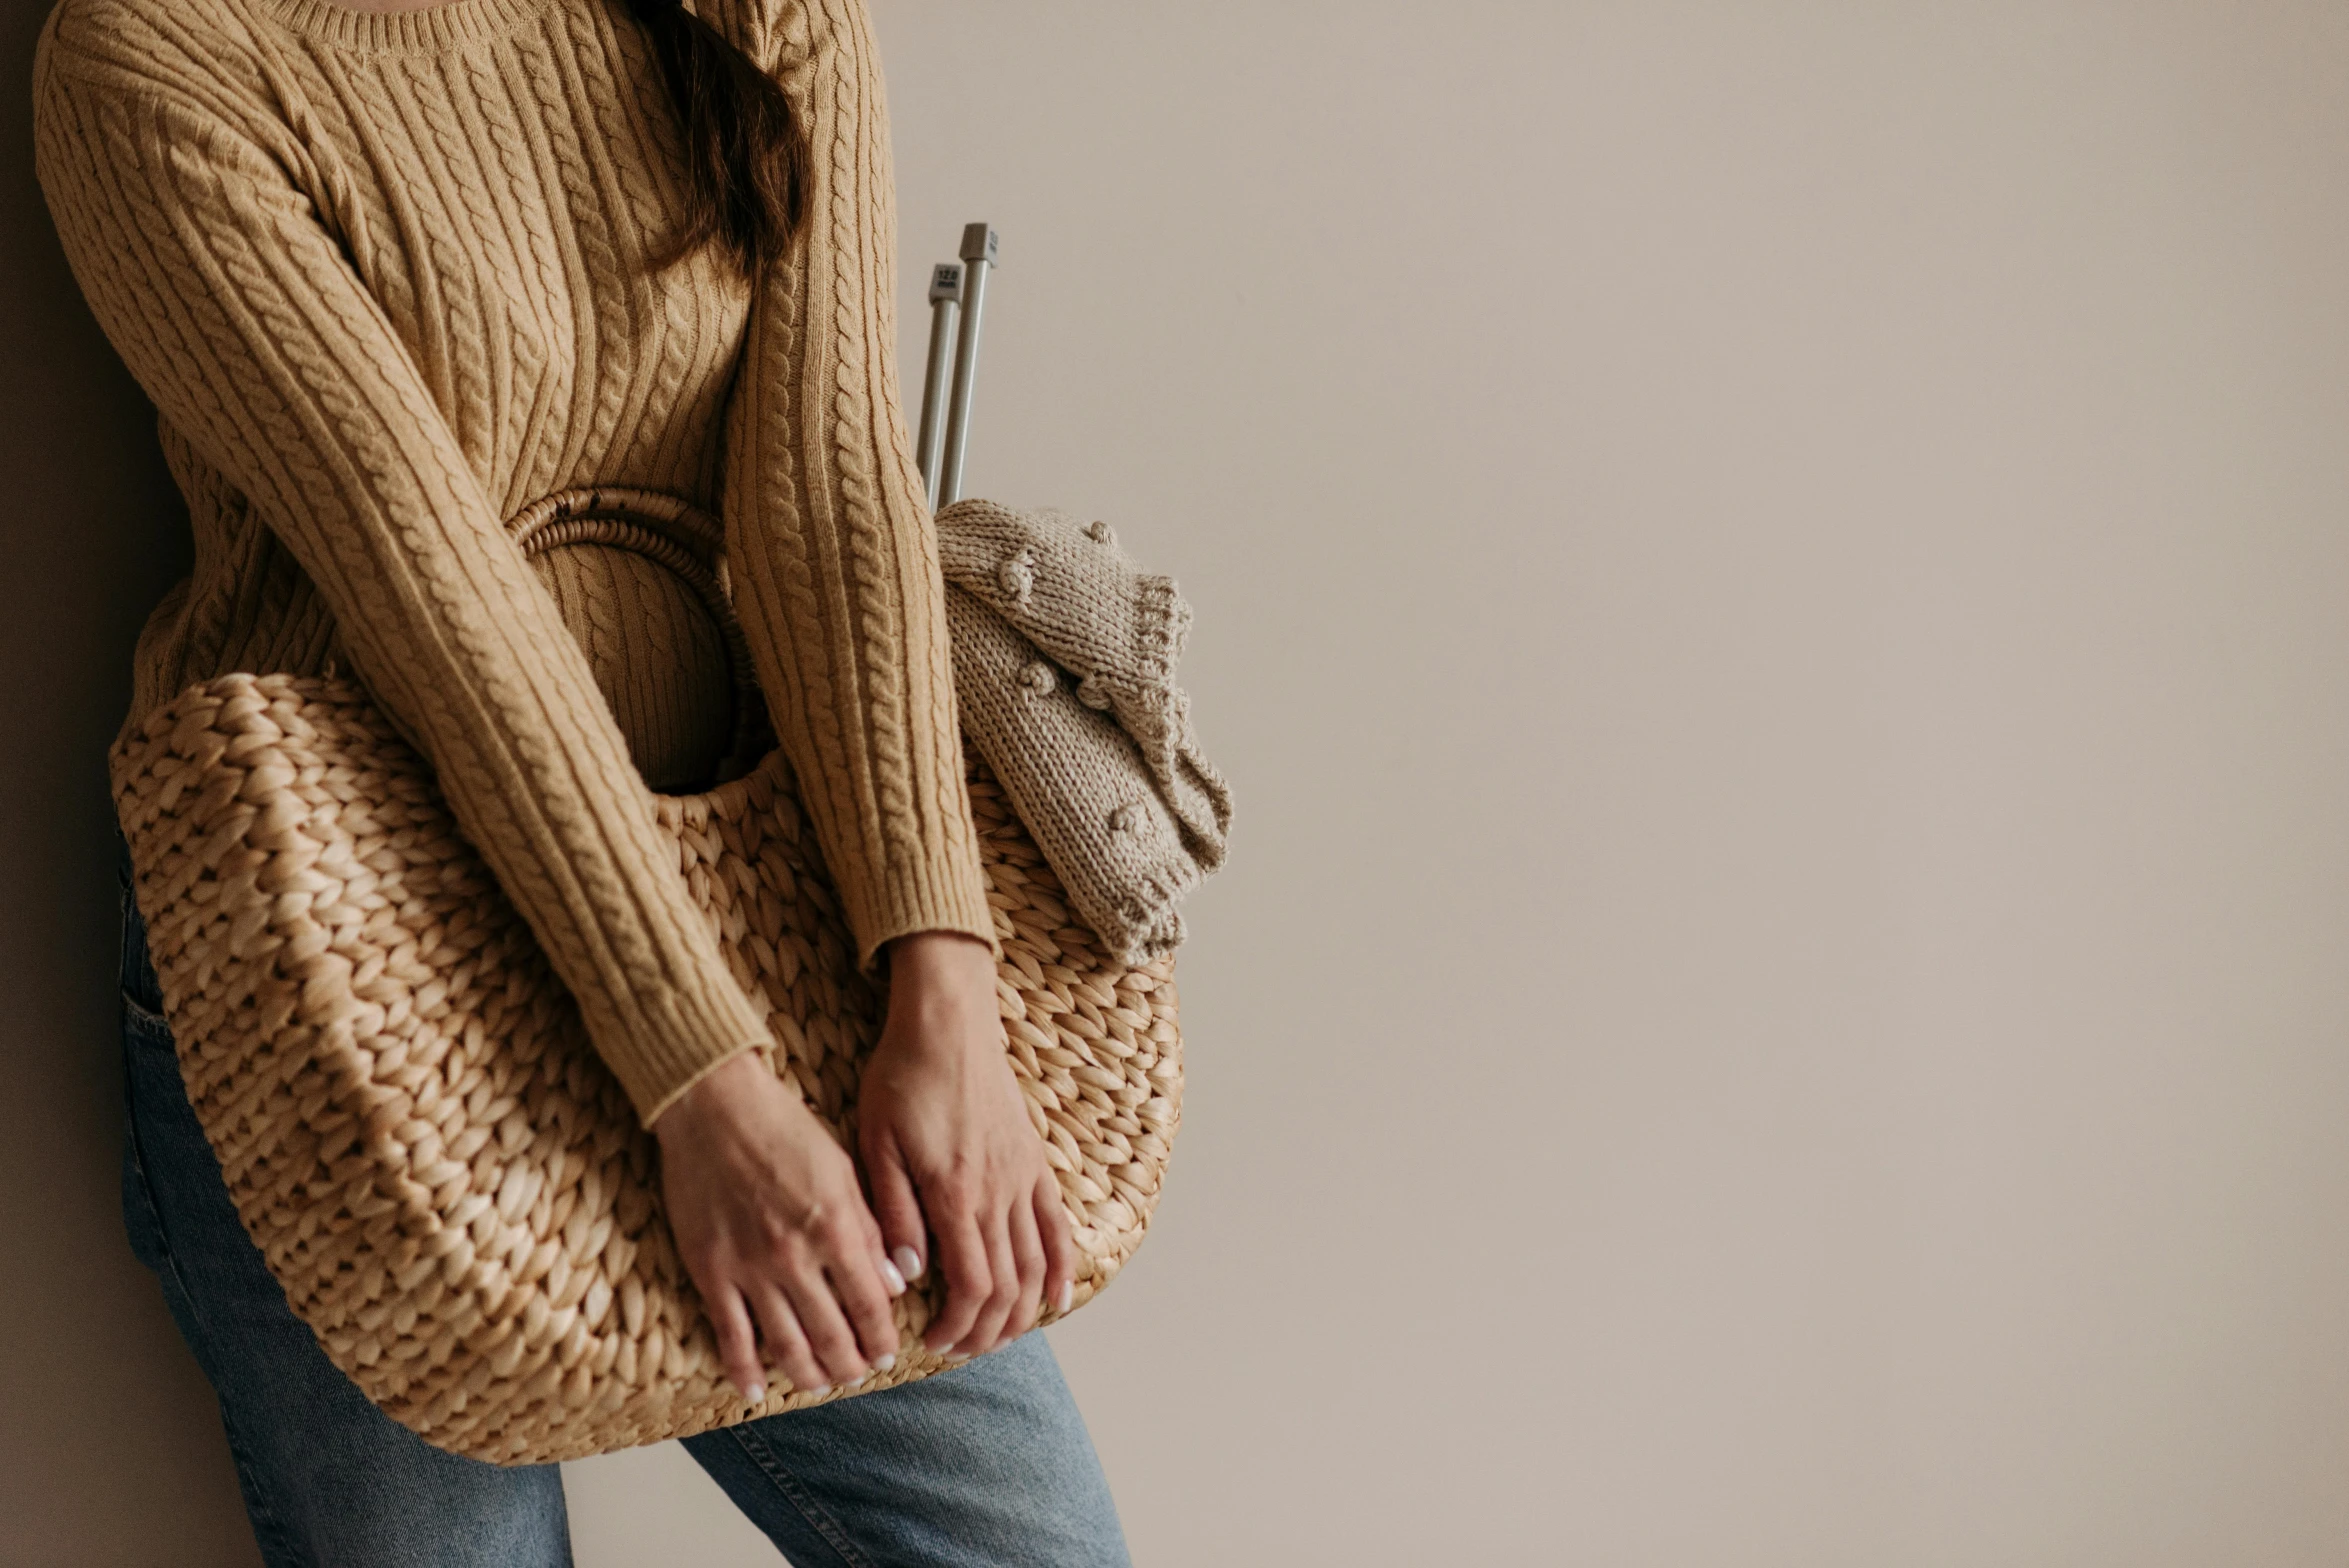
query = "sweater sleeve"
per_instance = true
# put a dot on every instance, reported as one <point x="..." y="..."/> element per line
<point x="830" y="541"/>
<point x="237" y="311"/>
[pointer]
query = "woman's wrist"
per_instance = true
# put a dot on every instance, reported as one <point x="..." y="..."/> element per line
<point x="727" y="1084"/>
<point x="933" y="954"/>
<point x="940" y="983"/>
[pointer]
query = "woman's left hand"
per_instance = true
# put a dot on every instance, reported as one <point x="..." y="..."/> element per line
<point x="949" y="1151"/>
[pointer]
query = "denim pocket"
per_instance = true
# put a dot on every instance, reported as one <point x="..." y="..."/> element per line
<point x="147" y="1054"/>
<point x="147" y="1048"/>
<point x="143" y="1025"/>
<point x="142" y="991"/>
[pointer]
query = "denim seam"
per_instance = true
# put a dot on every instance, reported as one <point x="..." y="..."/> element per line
<point x="813" y="1512"/>
<point x="265" y="1519"/>
<point x="129" y="922"/>
<point x="138" y="1158"/>
<point x="268" y="1529"/>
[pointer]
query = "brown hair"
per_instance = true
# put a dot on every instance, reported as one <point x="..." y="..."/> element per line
<point x="746" y="157"/>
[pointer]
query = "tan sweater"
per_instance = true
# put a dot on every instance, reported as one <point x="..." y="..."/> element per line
<point x="381" y="274"/>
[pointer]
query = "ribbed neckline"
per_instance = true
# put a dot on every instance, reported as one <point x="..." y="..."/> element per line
<point x="450" y="23"/>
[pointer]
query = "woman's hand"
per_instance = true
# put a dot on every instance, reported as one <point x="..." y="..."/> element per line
<point x="773" y="1228"/>
<point x="946" y="1136"/>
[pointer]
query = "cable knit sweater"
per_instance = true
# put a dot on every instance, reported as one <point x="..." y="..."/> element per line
<point x="382" y="275"/>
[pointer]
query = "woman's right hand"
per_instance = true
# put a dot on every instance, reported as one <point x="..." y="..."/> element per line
<point x="772" y="1225"/>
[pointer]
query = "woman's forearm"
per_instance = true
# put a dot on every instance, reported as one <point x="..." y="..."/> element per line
<point x="829" y="537"/>
<point x="215" y="278"/>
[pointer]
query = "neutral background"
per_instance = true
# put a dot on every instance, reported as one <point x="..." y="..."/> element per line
<point x="1771" y="580"/>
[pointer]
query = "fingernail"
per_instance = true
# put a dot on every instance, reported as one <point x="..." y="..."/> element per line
<point x="756" y="1393"/>
<point x="886" y="1363"/>
<point x="1067" y="1297"/>
<point x="908" y="1261"/>
<point x="892" y="1278"/>
<point x="819" y="1391"/>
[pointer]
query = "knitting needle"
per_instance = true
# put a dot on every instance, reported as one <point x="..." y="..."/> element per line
<point x="945" y="296"/>
<point x="978" y="254"/>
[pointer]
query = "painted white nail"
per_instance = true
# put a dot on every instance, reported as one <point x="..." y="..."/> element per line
<point x="1067" y="1297"/>
<point x="819" y="1391"/>
<point x="892" y="1278"/>
<point x="909" y="1263"/>
<point x="887" y="1363"/>
<point x="756" y="1393"/>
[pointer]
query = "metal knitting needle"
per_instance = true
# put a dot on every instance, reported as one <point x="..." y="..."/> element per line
<point x="945" y="297"/>
<point x="978" y="254"/>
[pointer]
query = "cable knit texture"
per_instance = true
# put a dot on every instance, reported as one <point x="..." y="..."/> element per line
<point x="383" y="276"/>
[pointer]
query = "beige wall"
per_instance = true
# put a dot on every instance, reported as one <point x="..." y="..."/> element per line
<point x="1771" y="579"/>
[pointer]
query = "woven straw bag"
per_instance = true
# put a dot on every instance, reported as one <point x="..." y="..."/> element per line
<point x="447" y="1181"/>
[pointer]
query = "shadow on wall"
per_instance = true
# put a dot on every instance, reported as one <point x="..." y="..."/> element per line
<point x="110" y="1447"/>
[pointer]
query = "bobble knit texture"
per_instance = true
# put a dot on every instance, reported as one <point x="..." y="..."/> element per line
<point x="383" y="276"/>
<point x="1064" y="659"/>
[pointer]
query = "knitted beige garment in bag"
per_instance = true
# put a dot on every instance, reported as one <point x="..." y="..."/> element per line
<point x="1064" y="661"/>
<point x="451" y="1187"/>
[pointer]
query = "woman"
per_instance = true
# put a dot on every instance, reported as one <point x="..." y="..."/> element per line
<point x="390" y="274"/>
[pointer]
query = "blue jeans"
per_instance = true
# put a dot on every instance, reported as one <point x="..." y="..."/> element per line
<point x="986" y="1464"/>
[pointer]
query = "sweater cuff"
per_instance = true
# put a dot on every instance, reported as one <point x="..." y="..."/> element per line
<point x="947" y="892"/>
<point x="679" y="1038"/>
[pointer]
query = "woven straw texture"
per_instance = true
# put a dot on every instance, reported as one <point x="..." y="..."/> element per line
<point x="452" y="1188"/>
